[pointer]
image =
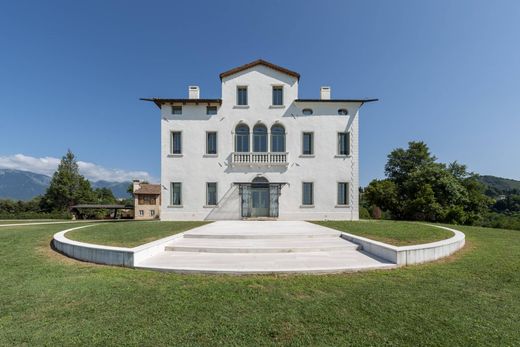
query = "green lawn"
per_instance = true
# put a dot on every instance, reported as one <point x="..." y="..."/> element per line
<point x="391" y="232"/>
<point x="471" y="299"/>
<point x="129" y="233"/>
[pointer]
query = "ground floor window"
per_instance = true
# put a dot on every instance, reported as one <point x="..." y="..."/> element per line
<point x="176" y="193"/>
<point x="343" y="193"/>
<point x="211" y="194"/>
<point x="152" y="213"/>
<point x="141" y="213"/>
<point x="308" y="193"/>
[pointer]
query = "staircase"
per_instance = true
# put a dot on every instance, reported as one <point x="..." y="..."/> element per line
<point x="242" y="247"/>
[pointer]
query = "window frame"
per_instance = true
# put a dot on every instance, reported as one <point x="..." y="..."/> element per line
<point x="152" y="213"/>
<point x="211" y="107"/>
<point x="172" y="188"/>
<point x="207" y="142"/>
<point x="237" y="134"/>
<point x="260" y="136"/>
<point x="238" y="101"/>
<point x="178" y="107"/>
<point x="347" y="196"/>
<point x="207" y="194"/>
<point x="172" y="134"/>
<point x="311" y="143"/>
<point x="277" y="88"/>
<point x="304" y="204"/>
<point x="141" y="213"/>
<point x="276" y="135"/>
<point x="340" y="133"/>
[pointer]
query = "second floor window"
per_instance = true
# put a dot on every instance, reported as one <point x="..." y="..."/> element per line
<point x="308" y="143"/>
<point x="242" y="138"/>
<point x="242" y="95"/>
<point x="211" y="142"/>
<point x="277" y="138"/>
<point x="259" y="138"/>
<point x="176" y="142"/>
<point x="344" y="143"/>
<point x="176" y="109"/>
<point x="277" y="95"/>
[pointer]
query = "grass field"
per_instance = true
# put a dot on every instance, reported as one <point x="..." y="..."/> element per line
<point x="391" y="232"/>
<point x="130" y="234"/>
<point x="470" y="299"/>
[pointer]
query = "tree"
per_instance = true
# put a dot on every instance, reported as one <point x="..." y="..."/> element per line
<point x="67" y="186"/>
<point x="419" y="188"/>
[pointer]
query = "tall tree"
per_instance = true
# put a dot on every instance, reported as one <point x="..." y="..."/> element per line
<point x="67" y="186"/>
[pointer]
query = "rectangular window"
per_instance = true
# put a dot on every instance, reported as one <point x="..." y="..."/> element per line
<point x="308" y="143"/>
<point x="343" y="193"/>
<point x="211" y="142"/>
<point x="344" y="143"/>
<point x="176" y="109"/>
<point x="241" y="95"/>
<point x="211" y="110"/>
<point x="176" y="191"/>
<point x="152" y="213"/>
<point x="277" y="95"/>
<point x="141" y="199"/>
<point x="141" y="213"/>
<point x="308" y="193"/>
<point x="211" y="194"/>
<point x="176" y="142"/>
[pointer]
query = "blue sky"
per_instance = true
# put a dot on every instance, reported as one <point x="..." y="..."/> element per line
<point x="71" y="74"/>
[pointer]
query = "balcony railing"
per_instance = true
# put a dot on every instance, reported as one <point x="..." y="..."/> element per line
<point x="267" y="158"/>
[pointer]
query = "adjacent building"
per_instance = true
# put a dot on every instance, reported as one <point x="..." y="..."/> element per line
<point x="147" y="200"/>
<point x="260" y="151"/>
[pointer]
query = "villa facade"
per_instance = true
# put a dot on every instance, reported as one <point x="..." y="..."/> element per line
<point x="260" y="151"/>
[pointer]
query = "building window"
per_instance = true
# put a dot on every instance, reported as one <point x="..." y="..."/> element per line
<point x="211" y="194"/>
<point x="277" y="95"/>
<point x="308" y="144"/>
<point x="344" y="143"/>
<point x="242" y="138"/>
<point x="211" y="110"/>
<point x="343" y="193"/>
<point x="308" y="193"/>
<point x="141" y="199"/>
<point x="176" y="142"/>
<point x="260" y="138"/>
<point x="146" y="199"/>
<point x="176" y="191"/>
<point x="152" y="213"/>
<point x="211" y="142"/>
<point x="176" y="109"/>
<point x="277" y="138"/>
<point x="141" y="213"/>
<point x="242" y="95"/>
<point x="307" y="111"/>
<point x="343" y="112"/>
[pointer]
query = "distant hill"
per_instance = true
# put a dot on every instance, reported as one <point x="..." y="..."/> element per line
<point x="25" y="185"/>
<point x="498" y="185"/>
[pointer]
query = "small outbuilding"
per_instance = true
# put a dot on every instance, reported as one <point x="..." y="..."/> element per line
<point x="147" y="200"/>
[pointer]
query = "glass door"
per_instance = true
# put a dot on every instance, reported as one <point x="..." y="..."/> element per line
<point x="260" y="202"/>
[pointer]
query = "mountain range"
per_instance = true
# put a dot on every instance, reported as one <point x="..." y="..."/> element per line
<point x="25" y="185"/>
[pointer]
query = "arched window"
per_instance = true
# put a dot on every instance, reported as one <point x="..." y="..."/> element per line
<point x="242" y="138"/>
<point x="260" y="138"/>
<point x="277" y="138"/>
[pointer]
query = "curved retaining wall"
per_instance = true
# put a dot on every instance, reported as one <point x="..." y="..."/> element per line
<point x="409" y="255"/>
<point x="120" y="256"/>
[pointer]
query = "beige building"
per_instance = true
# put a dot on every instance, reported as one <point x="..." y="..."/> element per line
<point x="147" y="200"/>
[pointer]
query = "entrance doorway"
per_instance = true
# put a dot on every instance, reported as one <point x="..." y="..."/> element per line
<point x="259" y="198"/>
<point x="260" y="201"/>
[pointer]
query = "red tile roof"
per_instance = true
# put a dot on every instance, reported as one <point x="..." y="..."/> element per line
<point x="149" y="189"/>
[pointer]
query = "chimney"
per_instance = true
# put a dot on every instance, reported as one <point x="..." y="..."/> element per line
<point x="136" y="185"/>
<point x="194" y="92"/>
<point x="325" y="93"/>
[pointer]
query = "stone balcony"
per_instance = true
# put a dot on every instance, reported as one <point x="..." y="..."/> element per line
<point x="260" y="158"/>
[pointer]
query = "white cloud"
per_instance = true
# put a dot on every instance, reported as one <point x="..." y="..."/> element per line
<point x="47" y="166"/>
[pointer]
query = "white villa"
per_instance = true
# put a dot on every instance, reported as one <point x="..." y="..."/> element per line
<point x="259" y="151"/>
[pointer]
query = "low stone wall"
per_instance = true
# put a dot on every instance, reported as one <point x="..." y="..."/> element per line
<point x="409" y="255"/>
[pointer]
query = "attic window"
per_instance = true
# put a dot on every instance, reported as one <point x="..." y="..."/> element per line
<point x="307" y="111"/>
<point x="343" y="112"/>
<point x="176" y="109"/>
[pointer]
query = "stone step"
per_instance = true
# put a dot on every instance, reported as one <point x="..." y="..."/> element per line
<point x="253" y="236"/>
<point x="269" y="245"/>
<point x="263" y="263"/>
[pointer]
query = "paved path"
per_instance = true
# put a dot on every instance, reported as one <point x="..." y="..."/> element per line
<point x="240" y="247"/>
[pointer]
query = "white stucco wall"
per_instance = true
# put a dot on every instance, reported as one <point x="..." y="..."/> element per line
<point x="193" y="168"/>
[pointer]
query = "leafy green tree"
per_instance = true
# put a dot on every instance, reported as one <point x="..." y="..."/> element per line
<point x="419" y="188"/>
<point x="67" y="186"/>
